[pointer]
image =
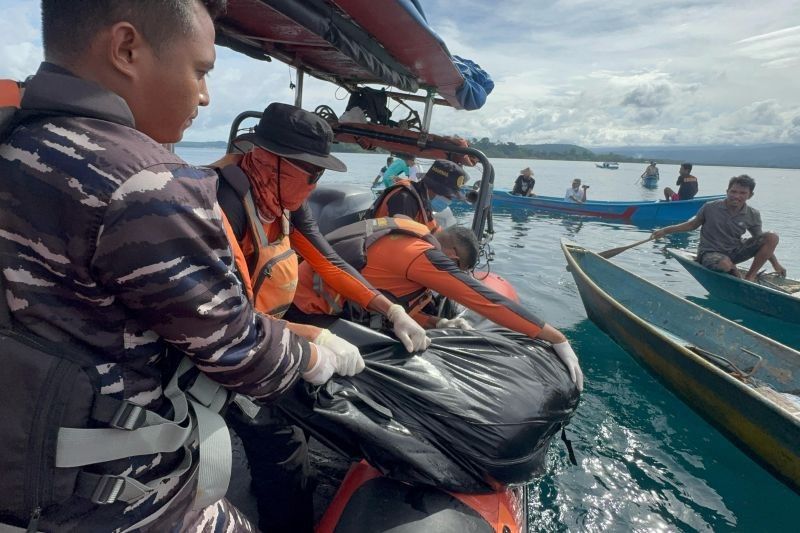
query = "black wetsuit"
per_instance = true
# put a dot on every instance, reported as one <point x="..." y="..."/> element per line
<point x="687" y="189"/>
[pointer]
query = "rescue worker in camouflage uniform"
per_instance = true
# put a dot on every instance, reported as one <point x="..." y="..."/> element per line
<point x="112" y="244"/>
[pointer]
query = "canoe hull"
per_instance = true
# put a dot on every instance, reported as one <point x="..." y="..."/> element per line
<point x="759" y="427"/>
<point x="650" y="182"/>
<point x="632" y="212"/>
<point x="750" y="295"/>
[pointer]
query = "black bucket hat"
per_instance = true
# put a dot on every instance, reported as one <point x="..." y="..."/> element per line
<point x="297" y="134"/>
<point x="446" y="179"/>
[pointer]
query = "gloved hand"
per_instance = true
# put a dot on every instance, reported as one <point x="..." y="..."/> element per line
<point x="567" y="355"/>
<point x="334" y="356"/>
<point x="407" y="330"/>
<point x="458" y="322"/>
<point x="348" y="359"/>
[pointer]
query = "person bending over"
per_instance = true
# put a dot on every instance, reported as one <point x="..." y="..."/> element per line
<point x="401" y="165"/>
<point x="406" y="262"/>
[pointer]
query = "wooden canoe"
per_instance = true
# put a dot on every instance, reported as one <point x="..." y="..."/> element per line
<point x="692" y="350"/>
<point x="650" y="182"/>
<point x="635" y="212"/>
<point x="771" y="294"/>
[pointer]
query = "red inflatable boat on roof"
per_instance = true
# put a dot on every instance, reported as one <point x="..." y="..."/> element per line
<point x="345" y="42"/>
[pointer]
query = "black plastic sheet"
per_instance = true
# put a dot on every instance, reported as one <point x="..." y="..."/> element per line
<point x="475" y="411"/>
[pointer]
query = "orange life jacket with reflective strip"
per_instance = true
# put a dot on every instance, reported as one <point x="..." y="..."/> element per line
<point x="381" y="208"/>
<point x="10" y="93"/>
<point x="351" y="242"/>
<point x="267" y="267"/>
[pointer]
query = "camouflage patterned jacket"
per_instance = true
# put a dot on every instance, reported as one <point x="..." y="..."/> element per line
<point x="110" y="241"/>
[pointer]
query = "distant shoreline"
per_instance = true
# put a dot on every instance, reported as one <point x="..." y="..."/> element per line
<point x="724" y="156"/>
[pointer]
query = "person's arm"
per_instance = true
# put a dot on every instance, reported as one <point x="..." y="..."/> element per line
<point x="517" y="188"/>
<point x="347" y="281"/>
<point x="436" y="271"/>
<point x="689" y="225"/>
<point x="163" y="253"/>
<point x="307" y="331"/>
<point x="308" y="241"/>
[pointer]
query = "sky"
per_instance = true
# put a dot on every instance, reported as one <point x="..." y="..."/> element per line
<point x="586" y="72"/>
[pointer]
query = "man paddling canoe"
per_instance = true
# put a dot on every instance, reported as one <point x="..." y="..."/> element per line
<point x="723" y="223"/>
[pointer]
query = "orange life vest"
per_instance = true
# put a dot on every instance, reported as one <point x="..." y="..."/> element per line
<point x="351" y="242"/>
<point x="10" y="93"/>
<point x="267" y="264"/>
<point x="381" y="206"/>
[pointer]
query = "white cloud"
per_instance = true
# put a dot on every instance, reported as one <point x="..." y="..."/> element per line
<point x="579" y="71"/>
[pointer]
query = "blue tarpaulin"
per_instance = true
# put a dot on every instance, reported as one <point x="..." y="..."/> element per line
<point x="477" y="84"/>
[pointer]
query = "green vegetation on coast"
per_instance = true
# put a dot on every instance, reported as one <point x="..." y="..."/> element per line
<point x="763" y="155"/>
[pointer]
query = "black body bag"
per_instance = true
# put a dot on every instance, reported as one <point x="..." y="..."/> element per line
<point x="474" y="411"/>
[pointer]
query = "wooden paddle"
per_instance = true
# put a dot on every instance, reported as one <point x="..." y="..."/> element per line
<point x="608" y="254"/>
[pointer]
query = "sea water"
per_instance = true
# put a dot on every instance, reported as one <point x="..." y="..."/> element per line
<point x="646" y="461"/>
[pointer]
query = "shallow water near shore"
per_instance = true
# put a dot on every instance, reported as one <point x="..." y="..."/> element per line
<point x="646" y="461"/>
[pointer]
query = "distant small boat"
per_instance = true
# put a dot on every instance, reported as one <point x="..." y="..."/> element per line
<point x="771" y="294"/>
<point x="608" y="165"/>
<point x="746" y="384"/>
<point x="650" y="182"/>
<point x="636" y="212"/>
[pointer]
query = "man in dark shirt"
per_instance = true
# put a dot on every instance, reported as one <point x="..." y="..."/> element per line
<point x="524" y="184"/>
<point x="723" y="224"/>
<point x="687" y="185"/>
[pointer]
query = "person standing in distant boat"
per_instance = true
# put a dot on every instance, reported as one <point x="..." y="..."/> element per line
<point x="651" y="171"/>
<point x="576" y="193"/>
<point x="524" y="184"/>
<point x="723" y="224"/>
<point x="379" y="177"/>
<point x="687" y="185"/>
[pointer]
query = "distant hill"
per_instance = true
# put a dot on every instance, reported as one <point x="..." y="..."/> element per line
<point x="340" y="148"/>
<point x="568" y="152"/>
<point x="754" y="155"/>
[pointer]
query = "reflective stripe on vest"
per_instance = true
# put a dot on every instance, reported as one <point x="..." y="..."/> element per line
<point x="270" y="271"/>
<point x="382" y="204"/>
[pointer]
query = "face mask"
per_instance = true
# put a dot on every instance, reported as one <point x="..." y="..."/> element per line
<point x="439" y="203"/>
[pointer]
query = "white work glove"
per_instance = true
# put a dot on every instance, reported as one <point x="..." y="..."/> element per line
<point x="458" y="322"/>
<point x="411" y="334"/>
<point x="334" y="356"/>
<point x="567" y="355"/>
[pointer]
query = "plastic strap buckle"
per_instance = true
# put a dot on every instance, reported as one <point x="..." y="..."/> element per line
<point x="129" y="416"/>
<point x="108" y="490"/>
